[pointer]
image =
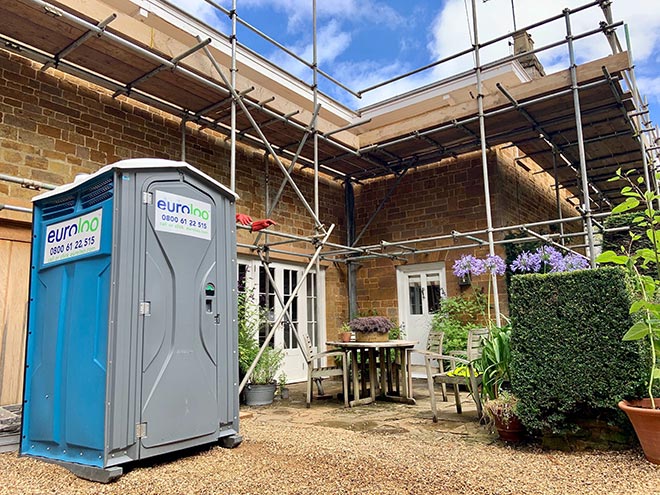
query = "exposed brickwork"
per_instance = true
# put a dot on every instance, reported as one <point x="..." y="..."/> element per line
<point x="435" y="201"/>
<point x="53" y="126"/>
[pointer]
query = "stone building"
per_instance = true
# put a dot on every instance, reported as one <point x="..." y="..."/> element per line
<point x="408" y="172"/>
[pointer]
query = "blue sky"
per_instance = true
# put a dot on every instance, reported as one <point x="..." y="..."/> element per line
<point x="363" y="42"/>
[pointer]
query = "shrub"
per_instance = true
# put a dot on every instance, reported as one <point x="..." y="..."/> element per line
<point x="568" y="360"/>
<point x="368" y="324"/>
<point x="456" y="316"/>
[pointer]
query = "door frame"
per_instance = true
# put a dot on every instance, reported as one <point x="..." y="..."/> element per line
<point x="294" y="356"/>
<point x="402" y="274"/>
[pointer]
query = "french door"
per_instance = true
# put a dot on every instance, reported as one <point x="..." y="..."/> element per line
<point x="305" y="313"/>
<point x="420" y="288"/>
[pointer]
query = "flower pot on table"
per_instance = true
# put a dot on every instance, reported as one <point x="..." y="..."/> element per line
<point x="371" y="337"/>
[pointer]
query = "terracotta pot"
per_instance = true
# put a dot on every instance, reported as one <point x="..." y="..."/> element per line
<point x="345" y="336"/>
<point x="512" y="431"/>
<point x="371" y="337"/>
<point x="646" y="422"/>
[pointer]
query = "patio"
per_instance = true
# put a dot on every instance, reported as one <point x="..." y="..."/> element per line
<point x="379" y="448"/>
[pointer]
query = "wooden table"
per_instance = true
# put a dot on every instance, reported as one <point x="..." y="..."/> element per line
<point x="391" y="388"/>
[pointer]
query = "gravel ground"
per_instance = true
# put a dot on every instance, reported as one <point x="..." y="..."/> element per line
<point x="382" y="448"/>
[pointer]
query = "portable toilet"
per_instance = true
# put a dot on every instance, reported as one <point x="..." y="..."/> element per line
<point x="132" y="335"/>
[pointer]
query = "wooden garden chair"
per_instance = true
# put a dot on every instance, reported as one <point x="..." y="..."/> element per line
<point x="433" y="346"/>
<point x="435" y="374"/>
<point x="316" y="371"/>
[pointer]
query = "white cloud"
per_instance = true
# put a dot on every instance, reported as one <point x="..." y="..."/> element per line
<point x="199" y="9"/>
<point x="299" y="12"/>
<point x="450" y="30"/>
<point x="650" y="86"/>
<point x="331" y="42"/>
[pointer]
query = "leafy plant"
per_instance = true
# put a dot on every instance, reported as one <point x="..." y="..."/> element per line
<point x="267" y="367"/>
<point x="248" y="326"/>
<point x="504" y="407"/>
<point x="250" y="317"/>
<point x="495" y="363"/>
<point x="369" y="324"/>
<point x="645" y="307"/>
<point x="456" y="316"/>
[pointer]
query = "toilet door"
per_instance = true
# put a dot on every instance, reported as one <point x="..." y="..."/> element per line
<point x="179" y="400"/>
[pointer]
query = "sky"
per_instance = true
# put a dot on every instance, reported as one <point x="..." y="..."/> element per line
<point x="364" y="42"/>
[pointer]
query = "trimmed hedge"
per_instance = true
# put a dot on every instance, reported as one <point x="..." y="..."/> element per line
<point x="568" y="360"/>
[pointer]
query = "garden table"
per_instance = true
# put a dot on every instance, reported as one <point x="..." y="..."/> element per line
<point x="391" y="387"/>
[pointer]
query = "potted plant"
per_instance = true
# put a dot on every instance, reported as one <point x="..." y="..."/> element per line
<point x="643" y="263"/>
<point x="261" y="387"/>
<point x="345" y="333"/>
<point x="260" y="391"/>
<point x="499" y="403"/>
<point x="371" y="328"/>
<point x="502" y="410"/>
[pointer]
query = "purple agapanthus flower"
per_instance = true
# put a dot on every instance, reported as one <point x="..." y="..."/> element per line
<point x="468" y="265"/>
<point x="494" y="264"/>
<point x="574" y="262"/>
<point x="526" y="262"/>
<point x="551" y="258"/>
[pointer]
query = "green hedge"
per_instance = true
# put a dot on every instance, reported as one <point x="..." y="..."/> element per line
<point x="568" y="360"/>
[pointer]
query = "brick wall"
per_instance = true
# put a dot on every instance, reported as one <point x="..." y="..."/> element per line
<point x="54" y="126"/>
<point x="437" y="200"/>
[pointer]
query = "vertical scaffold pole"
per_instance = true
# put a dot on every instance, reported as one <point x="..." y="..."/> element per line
<point x="232" y="81"/>
<point x="586" y="206"/>
<point x="484" y="158"/>
<point x="183" y="140"/>
<point x="316" y="339"/>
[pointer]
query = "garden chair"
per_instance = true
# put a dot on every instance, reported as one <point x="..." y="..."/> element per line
<point x="434" y="374"/>
<point x="433" y="346"/>
<point x="316" y="371"/>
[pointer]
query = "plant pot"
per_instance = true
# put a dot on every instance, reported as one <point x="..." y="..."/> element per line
<point x="284" y="393"/>
<point x="646" y="422"/>
<point x="259" y="394"/>
<point x="512" y="431"/>
<point x="371" y="337"/>
<point x="345" y="336"/>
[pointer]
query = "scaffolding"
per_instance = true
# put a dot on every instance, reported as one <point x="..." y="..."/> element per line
<point x="257" y="124"/>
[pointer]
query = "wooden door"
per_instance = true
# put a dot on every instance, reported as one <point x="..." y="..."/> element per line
<point x="14" y="282"/>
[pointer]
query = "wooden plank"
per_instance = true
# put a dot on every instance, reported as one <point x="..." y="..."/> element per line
<point x="14" y="282"/>
<point x="11" y="231"/>
<point x="539" y="87"/>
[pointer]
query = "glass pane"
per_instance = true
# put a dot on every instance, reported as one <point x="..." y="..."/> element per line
<point x="266" y="303"/>
<point x="242" y="275"/>
<point x="434" y="292"/>
<point x="312" y="324"/>
<point x="290" y="322"/>
<point x="415" y="294"/>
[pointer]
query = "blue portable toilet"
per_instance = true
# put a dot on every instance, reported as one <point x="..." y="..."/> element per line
<point x="132" y="335"/>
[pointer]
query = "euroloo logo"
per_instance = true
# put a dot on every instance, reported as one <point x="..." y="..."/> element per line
<point x="175" y="207"/>
<point x="74" y="237"/>
<point x="182" y="215"/>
